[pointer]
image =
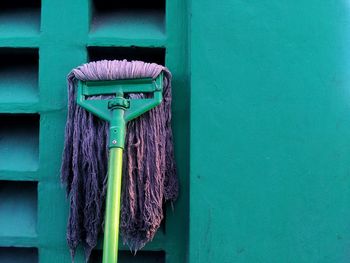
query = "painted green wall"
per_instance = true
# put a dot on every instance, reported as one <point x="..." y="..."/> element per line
<point x="39" y="44"/>
<point x="270" y="131"/>
<point x="268" y="144"/>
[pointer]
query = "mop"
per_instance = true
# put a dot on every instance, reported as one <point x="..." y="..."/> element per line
<point x="103" y="98"/>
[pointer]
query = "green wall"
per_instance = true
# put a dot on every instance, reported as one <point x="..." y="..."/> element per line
<point x="40" y="42"/>
<point x="261" y="124"/>
<point x="270" y="131"/>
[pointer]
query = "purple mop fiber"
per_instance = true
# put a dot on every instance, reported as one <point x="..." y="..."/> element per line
<point x="149" y="174"/>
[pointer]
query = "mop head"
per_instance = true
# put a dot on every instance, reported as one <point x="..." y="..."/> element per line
<point x="149" y="174"/>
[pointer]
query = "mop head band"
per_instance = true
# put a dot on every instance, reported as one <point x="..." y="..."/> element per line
<point x="149" y="173"/>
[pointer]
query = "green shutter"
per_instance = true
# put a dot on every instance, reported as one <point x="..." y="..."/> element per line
<point x="39" y="44"/>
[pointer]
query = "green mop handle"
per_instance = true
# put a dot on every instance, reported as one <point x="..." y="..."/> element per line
<point x="111" y="229"/>
<point x="114" y="111"/>
<point x="112" y="214"/>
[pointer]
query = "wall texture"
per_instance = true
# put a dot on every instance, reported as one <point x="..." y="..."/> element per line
<point x="270" y="129"/>
<point x="268" y="149"/>
<point x="40" y="42"/>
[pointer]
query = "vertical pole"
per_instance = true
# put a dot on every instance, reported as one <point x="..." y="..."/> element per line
<point x="114" y="184"/>
<point x="112" y="216"/>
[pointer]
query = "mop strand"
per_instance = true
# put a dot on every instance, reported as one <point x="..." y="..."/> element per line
<point x="149" y="173"/>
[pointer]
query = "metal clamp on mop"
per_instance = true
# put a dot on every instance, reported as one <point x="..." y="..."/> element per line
<point x="117" y="110"/>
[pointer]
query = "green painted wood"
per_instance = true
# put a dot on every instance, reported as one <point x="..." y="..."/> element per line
<point x="19" y="75"/>
<point x="19" y="22"/>
<point x="18" y="209"/>
<point x="16" y="141"/>
<point x="176" y="222"/>
<point x="116" y="41"/>
<point x="270" y="131"/>
<point x="18" y="241"/>
<point x="138" y="24"/>
<point x="60" y="31"/>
